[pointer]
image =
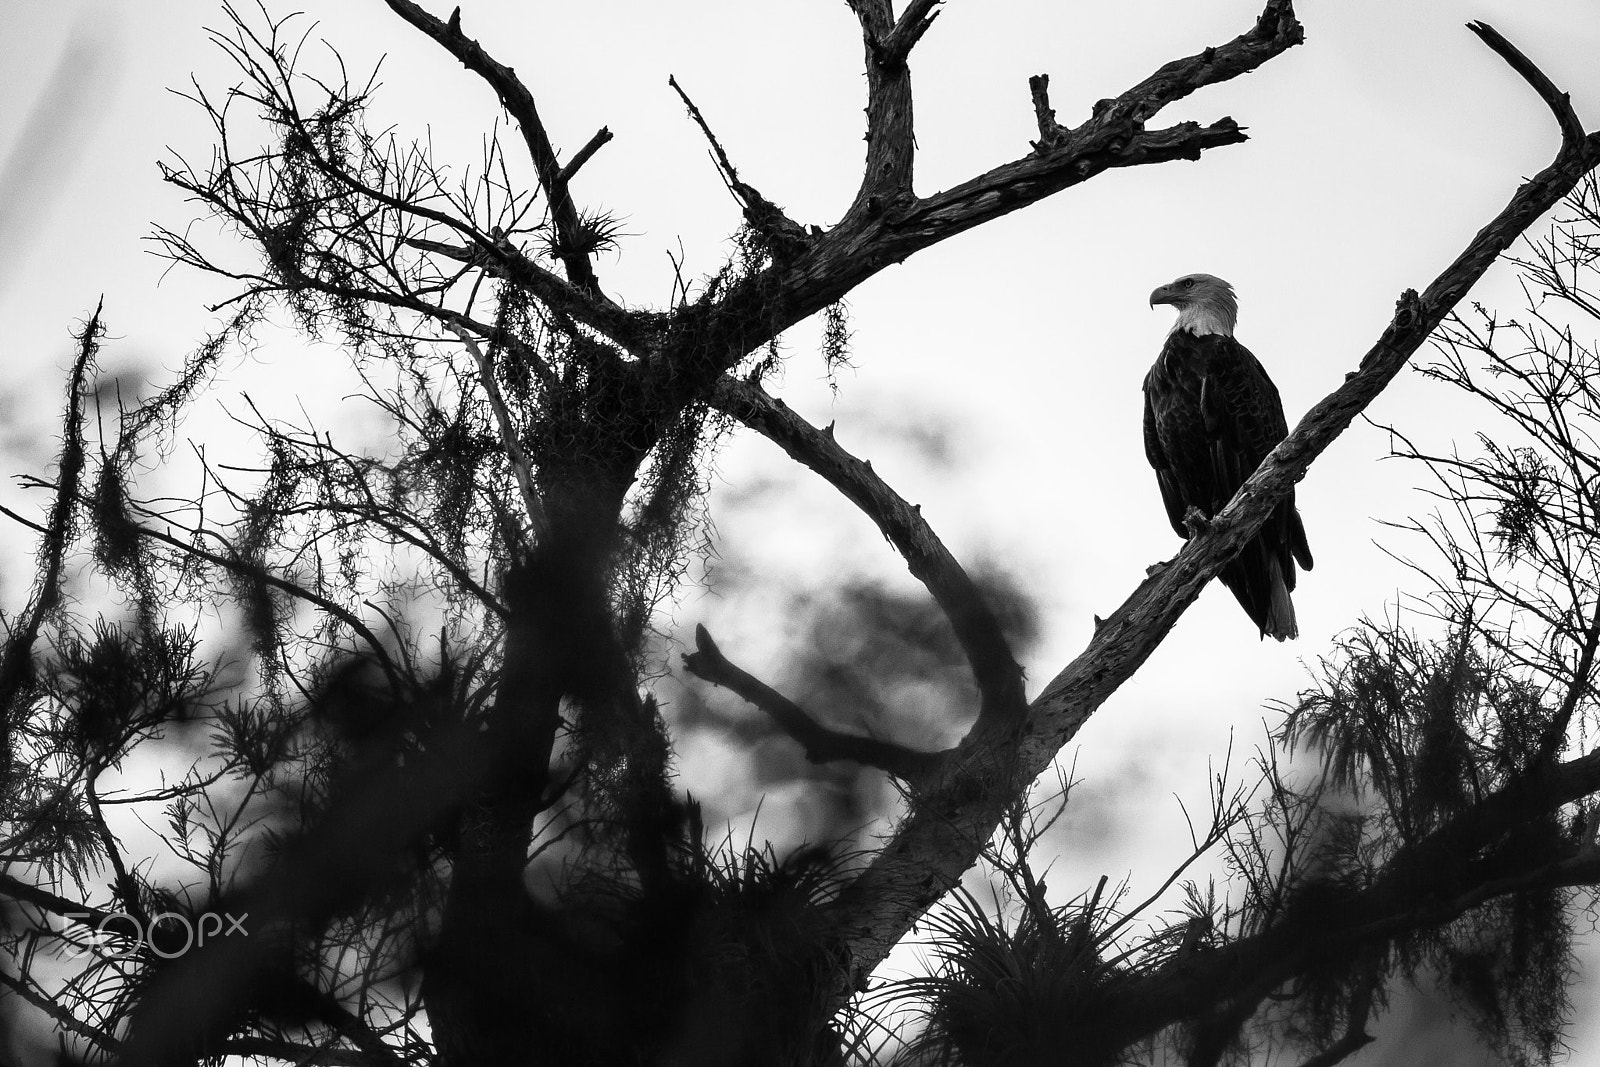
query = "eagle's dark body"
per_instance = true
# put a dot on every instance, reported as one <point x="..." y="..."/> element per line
<point x="1211" y="415"/>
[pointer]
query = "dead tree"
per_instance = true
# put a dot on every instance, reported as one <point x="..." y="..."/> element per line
<point x="548" y="468"/>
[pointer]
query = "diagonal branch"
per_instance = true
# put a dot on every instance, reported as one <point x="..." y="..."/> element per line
<point x="571" y="246"/>
<point x="521" y="467"/>
<point x="601" y="137"/>
<point x="1115" y="134"/>
<point x="629" y="328"/>
<point x="940" y="840"/>
<point x="1002" y="700"/>
<point x="913" y="22"/>
<point x="30" y="992"/>
<point x="1275" y="31"/>
<point x="766" y="218"/>
<point x="1559" y="103"/>
<point x="887" y="223"/>
<point x="55" y="904"/>
<point x="822" y="744"/>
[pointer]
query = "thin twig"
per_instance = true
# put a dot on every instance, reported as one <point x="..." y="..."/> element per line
<point x="518" y="458"/>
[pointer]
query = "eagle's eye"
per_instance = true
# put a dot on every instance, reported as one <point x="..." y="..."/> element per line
<point x="1188" y="283"/>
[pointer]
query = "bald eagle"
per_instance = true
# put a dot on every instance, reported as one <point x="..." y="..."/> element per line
<point x="1211" y="415"/>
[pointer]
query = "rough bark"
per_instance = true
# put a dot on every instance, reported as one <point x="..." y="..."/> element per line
<point x="941" y="836"/>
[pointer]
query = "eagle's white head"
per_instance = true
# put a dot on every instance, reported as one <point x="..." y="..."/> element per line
<point x="1205" y="303"/>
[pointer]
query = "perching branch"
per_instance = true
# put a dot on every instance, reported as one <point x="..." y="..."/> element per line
<point x="929" y="851"/>
<point x="821" y="744"/>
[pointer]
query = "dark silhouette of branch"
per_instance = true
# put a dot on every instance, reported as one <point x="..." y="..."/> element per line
<point x="64" y="1019"/>
<point x="821" y="744"/>
<point x="763" y="216"/>
<point x="929" y="852"/>
<point x="600" y="139"/>
<point x="571" y="244"/>
<point x="1559" y="103"/>
<point x="887" y="222"/>
<point x="1002" y="700"/>
<point x="589" y="394"/>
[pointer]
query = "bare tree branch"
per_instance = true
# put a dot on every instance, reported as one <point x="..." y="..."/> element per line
<point x="782" y="233"/>
<point x="913" y="22"/>
<point x="821" y="744"/>
<point x="600" y="139"/>
<point x="508" y="438"/>
<point x="929" y="851"/>
<point x="891" y="140"/>
<point x="571" y="245"/>
<point x="1002" y="701"/>
<point x="1559" y="103"/>
<point x="64" y="1019"/>
<point x="887" y="223"/>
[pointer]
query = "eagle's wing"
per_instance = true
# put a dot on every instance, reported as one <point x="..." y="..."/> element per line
<point x="1166" y="476"/>
<point x="1244" y="421"/>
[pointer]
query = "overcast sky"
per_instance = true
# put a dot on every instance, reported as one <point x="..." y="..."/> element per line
<point x="1377" y="149"/>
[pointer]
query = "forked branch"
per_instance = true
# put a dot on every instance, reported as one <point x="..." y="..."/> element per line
<point x="887" y="222"/>
<point x="782" y="233"/>
<point x="891" y="142"/>
<point x="1001" y="701"/>
<point x="929" y="850"/>
<point x="571" y="246"/>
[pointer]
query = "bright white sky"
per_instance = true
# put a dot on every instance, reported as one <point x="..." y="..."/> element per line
<point x="1378" y="148"/>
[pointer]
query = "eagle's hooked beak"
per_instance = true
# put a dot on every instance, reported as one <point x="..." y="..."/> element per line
<point x="1162" y="295"/>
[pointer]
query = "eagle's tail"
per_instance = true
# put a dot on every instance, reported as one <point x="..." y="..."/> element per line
<point x="1281" y="623"/>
